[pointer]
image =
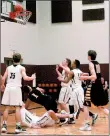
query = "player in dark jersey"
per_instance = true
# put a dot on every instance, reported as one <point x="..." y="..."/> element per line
<point x="37" y="95"/>
<point x="95" y="92"/>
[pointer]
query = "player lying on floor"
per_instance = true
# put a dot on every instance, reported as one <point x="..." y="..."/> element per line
<point x="37" y="95"/>
<point x="46" y="120"/>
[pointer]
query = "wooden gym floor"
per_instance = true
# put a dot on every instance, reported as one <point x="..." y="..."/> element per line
<point x="100" y="128"/>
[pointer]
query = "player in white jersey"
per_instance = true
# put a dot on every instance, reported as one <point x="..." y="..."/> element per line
<point x="64" y="95"/>
<point x="12" y="95"/>
<point x="77" y="92"/>
<point x="46" y="120"/>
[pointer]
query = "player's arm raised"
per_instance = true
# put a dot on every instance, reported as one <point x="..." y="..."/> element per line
<point x="71" y="74"/>
<point x="59" y="74"/>
<point x="67" y="70"/>
<point x="25" y="77"/>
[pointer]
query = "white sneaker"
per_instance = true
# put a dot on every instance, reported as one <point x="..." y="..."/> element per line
<point x="4" y="128"/>
<point x="19" y="129"/>
<point x="86" y="127"/>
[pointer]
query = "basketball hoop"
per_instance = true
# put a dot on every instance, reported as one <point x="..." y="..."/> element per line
<point x="24" y="16"/>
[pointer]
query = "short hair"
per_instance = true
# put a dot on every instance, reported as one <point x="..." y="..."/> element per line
<point x="92" y="54"/>
<point x="16" y="57"/>
<point x="77" y="63"/>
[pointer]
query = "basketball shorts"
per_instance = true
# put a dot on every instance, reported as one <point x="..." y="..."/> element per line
<point x="64" y="95"/>
<point x="29" y="119"/>
<point x="12" y="96"/>
<point x="87" y="96"/>
<point x="77" y="98"/>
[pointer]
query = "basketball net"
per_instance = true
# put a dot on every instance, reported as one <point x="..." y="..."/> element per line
<point x="25" y="15"/>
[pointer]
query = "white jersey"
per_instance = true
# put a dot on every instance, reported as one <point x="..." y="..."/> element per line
<point x="30" y="120"/>
<point x="14" y="78"/>
<point x="76" y="81"/>
<point x="64" y="76"/>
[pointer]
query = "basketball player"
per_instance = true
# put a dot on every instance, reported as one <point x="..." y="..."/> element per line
<point x="77" y="92"/>
<point x="72" y="106"/>
<point x="96" y="92"/>
<point x="12" y="95"/>
<point x="37" y="95"/>
<point x="64" y="92"/>
<point x="48" y="119"/>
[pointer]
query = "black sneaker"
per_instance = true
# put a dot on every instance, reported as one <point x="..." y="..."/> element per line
<point x="71" y="121"/>
<point x="94" y="118"/>
<point x="64" y="122"/>
<point x="19" y="129"/>
<point x="4" y="128"/>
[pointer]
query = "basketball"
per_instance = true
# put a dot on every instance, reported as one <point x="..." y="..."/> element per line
<point x="18" y="8"/>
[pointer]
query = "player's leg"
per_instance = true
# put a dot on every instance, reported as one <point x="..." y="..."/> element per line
<point x="26" y="117"/>
<point x="5" y="101"/>
<point x="5" y="117"/>
<point x="86" y="126"/>
<point x="18" y="120"/>
<point x="61" y="102"/>
<point x="57" y="116"/>
<point x="28" y="101"/>
<point x="17" y="102"/>
<point x="53" y="116"/>
<point x="71" y="108"/>
<point x="66" y="115"/>
<point x="103" y="109"/>
<point x="63" y="106"/>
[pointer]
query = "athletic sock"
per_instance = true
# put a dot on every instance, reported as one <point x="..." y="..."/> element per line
<point x="18" y="124"/>
<point x="71" y="108"/>
<point x="4" y="122"/>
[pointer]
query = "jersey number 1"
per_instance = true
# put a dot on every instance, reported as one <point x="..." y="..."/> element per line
<point x="12" y="76"/>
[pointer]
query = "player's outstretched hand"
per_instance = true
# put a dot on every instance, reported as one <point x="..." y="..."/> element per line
<point x="60" y="78"/>
<point x="33" y="76"/>
<point x="60" y="65"/>
<point x="40" y="89"/>
<point x="57" y="67"/>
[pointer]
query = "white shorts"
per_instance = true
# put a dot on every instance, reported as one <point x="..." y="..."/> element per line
<point x="45" y="121"/>
<point x="12" y="96"/>
<point x="64" y="95"/>
<point x="77" y="97"/>
<point x="29" y="119"/>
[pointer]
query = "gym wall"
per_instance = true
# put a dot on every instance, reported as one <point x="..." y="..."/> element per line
<point x="46" y="43"/>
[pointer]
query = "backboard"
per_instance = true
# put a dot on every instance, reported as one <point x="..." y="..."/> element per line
<point x="6" y="9"/>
